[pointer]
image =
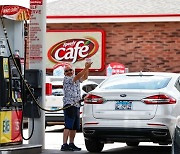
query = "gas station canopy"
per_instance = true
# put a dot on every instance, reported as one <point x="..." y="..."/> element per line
<point x="15" y="9"/>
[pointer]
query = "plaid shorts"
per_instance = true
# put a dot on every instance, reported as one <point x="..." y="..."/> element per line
<point x="72" y="118"/>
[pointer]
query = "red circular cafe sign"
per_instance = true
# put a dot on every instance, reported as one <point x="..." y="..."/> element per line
<point x="115" y="68"/>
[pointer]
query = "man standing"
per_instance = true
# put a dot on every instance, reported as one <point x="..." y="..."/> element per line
<point x="72" y="95"/>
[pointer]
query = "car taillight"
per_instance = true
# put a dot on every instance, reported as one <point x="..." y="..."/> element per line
<point x="93" y="99"/>
<point x="159" y="99"/>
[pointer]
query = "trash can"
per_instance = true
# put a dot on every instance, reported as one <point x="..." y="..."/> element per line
<point x="48" y="89"/>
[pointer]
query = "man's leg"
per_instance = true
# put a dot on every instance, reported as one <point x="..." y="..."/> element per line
<point x="72" y="134"/>
<point x="65" y="135"/>
<point x="65" y="146"/>
<point x="69" y="120"/>
<point x="76" y="124"/>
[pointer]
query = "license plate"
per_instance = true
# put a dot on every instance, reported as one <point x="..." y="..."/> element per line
<point x="123" y="105"/>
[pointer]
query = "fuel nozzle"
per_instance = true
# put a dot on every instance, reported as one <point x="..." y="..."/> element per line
<point x="16" y="53"/>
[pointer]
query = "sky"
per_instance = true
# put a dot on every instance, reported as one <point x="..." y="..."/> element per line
<point x="25" y="3"/>
<point x="48" y="1"/>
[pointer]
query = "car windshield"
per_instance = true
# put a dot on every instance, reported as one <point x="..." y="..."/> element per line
<point x="136" y="82"/>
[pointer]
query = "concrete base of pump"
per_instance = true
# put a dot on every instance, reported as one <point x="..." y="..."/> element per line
<point x="21" y="149"/>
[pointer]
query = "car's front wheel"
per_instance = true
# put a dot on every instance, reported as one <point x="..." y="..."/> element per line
<point x="93" y="145"/>
<point x="132" y="143"/>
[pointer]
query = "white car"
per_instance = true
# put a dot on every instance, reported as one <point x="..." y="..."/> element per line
<point x="132" y="108"/>
<point x="55" y="101"/>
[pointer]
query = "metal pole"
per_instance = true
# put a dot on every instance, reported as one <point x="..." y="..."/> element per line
<point x="37" y="61"/>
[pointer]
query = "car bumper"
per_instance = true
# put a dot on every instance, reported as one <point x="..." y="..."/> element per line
<point x="110" y="134"/>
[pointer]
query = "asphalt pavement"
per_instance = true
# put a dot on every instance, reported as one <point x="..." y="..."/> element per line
<point x="54" y="136"/>
<point x="122" y="150"/>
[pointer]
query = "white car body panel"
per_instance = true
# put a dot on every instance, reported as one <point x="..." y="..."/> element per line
<point x="139" y="109"/>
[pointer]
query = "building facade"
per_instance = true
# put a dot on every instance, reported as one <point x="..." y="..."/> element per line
<point x="139" y="41"/>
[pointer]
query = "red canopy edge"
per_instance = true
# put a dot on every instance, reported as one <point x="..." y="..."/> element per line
<point x="15" y="12"/>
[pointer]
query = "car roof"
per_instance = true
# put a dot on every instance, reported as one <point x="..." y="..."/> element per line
<point x="152" y="73"/>
<point x="86" y="82"/>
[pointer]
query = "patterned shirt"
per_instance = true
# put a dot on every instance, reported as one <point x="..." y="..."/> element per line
<point x="72" y="91"/>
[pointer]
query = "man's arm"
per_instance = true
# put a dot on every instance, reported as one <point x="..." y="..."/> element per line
<point x="84" y="73"/>
<point x="85" y="76"/>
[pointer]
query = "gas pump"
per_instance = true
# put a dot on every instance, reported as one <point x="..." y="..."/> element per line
<point x="10" y="80"/>
<point x="10" y="103"/>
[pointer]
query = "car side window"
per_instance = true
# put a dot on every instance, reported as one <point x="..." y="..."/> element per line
<point x="177" y="85"/>
<point x="88" y="88"/>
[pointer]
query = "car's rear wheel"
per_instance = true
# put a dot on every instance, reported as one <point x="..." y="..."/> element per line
<point x="175" y="148"/>
<point x="132" y="143"/>
<point x="93" y="145"/>
<point x="176" y="142"/>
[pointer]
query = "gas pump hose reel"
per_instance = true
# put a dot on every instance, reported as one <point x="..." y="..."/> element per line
<point x="25" y="82"/>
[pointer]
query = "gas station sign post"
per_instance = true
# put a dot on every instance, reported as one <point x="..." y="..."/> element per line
<point x="37" y="61"/>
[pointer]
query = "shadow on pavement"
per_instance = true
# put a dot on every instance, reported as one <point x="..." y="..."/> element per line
<point x="141" y="150"/>
<point x="123" y="150"/>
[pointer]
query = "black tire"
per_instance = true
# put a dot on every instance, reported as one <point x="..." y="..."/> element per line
<point x="176" y="142"/>
<point x="132" y="143"/>
<point x="93" y="145"/>
<point x="175" y="148"/>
